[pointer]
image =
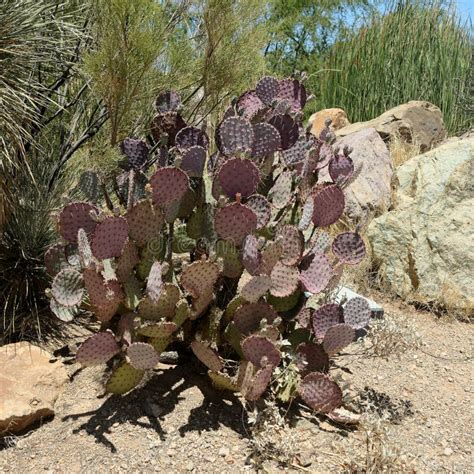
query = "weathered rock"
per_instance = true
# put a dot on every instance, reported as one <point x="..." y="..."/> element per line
<point x="338" y="117"/>
<point x="417" y="122"/>
<point x="29" y="386"/>
<point x="371" y="190"/>
<point x="424" y="246"/>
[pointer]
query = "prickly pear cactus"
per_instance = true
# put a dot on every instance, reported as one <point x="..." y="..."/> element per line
<point x="224" y="273"/>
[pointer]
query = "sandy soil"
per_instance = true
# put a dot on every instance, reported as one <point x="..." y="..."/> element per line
<point x="178" y="423"/>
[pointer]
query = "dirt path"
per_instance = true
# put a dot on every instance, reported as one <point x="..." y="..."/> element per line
<point x="177" y="423"/>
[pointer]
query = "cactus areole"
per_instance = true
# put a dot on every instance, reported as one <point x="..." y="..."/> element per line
<point x="223" y="273"/>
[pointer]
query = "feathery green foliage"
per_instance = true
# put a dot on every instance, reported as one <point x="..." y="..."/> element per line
<point x="417" y="51"/>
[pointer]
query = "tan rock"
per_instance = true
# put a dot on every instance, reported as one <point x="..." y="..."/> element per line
<point x="424" y="246"/>
<point x="371" y="191"/>
<point x="318" y="119"/>
<point x="29" y="386"/>
<point x="416" y="122"/>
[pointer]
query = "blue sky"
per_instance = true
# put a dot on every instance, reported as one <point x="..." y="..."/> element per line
<point x="466" y="9"/>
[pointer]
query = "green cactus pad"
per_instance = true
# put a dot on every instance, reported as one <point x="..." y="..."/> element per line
<point x="337" y="337"/>
<point x="97" y="349"/>
<point x="262" y="209"/>
<point x="75" y="216"/>
<point x="357" y="313"/>
<point x="68" y="287"/>
<point x="183" y="312"/>
<point x="133" y="292"/>
<point x="207" y="356"/>
<point x="165" y="308"/>
<point x="257" y="349"/>
<point x="222" y="381"/>
<point x="320" y="393"/>
<point x="285" y="280"/>
<point x="238" y="176"/>
<point x="158" y="330"/>
<point x="282" y="304"/>
<point x="234" y="222"/>
<point x="142" y="356"/>
<point x="315" y="272"/>
<point x="349" y="248"/>
<point x="248" y="317"/>
<point x="280" y="194"/>
<point x="311" y="357"/>
<point x="127" y="261"/>
<point x="123" y="379"/>
<point x="109" y="238"/>
<point x="256" y="287"/>
<point x="329" y="205"/>
<point x="325" y="317"/>
<point x="160" y="343"/>
<point x="144" y="222"/>
<point x="230" y="256"/>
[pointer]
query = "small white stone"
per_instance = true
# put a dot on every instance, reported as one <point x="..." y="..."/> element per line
<point x="224" y="452"/>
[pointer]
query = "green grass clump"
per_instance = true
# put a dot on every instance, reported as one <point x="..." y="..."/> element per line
<point x="416" y="51"/>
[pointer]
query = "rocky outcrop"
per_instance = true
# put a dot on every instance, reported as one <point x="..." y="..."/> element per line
<point x="370" y="192"/>
<point x="29" y="386"/>
<point x="424" y="246"/>
<point x="338" y="120"/>
<point x="416" y="122"/>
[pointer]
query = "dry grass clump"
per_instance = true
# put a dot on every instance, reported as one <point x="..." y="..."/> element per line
<point x="371" y="450"/>
<point x="401" y="151"/>
<point x="272" y="439"/>
<point x="391" y="336"/>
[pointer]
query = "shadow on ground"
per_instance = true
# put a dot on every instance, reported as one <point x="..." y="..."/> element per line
<point x="148" y="406"/>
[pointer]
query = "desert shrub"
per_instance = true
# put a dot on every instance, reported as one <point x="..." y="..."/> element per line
<point x="414" y="51"/>
<point x="218" y="260"/>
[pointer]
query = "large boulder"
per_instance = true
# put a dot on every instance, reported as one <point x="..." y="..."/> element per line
<point x="29" y="386"/>
<point x="416" y="122"/>
<point x="338" y="120"/>
<point x="370" y="193"/>
<point x="424" y="246"/>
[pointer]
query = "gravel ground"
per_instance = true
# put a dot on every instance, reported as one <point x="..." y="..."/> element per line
<point x="178" y="423"/>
